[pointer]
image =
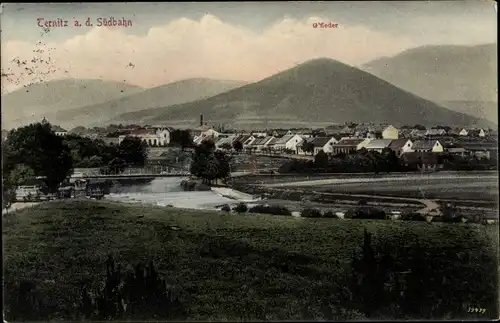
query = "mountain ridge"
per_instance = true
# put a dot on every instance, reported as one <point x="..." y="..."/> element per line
<point x="309" y="92"/>
<point x="444" y="73"/>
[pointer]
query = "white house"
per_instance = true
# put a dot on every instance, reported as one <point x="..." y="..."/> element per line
<point x="151" y="137"/>
<point x="378" y="144"/>
<point x="324" y="143"/>
<point x="463" y="132"/>
<point x="401" y="146"/>
<point x="427" y="146"/>
<point x="482" y="133"/>
<point x="288" y="142"/>
<point x="390" y="132"/>
<point x="435" y="132"/>
<point x="59" y="131"/>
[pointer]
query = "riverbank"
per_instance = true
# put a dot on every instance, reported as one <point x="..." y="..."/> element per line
<point x="17" y="206"/>
<point x="235" y="267"/>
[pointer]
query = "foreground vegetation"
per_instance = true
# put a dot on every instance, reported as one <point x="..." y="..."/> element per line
<point x="220" y="266"/>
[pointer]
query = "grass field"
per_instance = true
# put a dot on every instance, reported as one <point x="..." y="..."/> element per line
<point x="458" y="186"/>
<point x="232" y="267"/>
<point x="482" y="191"/>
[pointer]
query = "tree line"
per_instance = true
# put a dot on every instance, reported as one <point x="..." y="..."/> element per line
<point x="364" y="161"/>
<point x="36" y="151"/>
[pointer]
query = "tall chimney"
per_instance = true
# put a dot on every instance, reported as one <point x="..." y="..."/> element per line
<point x="201" y="119"/>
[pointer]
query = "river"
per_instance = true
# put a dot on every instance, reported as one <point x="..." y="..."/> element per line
<point x="167" y="191"/>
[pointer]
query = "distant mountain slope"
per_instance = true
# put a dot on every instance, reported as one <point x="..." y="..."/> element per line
<point x="32" y="103"/>
<point x="320" y="90"/>
<point x="443" y="73"/>
<point x="164" y="95"/>
<point x="487" y="110"/>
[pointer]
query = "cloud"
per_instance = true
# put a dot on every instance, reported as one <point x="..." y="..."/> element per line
<point x="206" y="48"/>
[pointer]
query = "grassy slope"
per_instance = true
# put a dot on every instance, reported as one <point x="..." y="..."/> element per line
<point x="233" y="267"/>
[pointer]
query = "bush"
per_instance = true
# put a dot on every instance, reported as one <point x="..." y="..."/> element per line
<point x="311" y="213"/>
<point x="275" y="210"/>
<point x="330" y="214"/>
<point x="241" y="208"/>
<point x="226" y="208"/>
<point x="412" y="216"/>
<point x="362" y="202"/>
<point x="137" y="295"/>
<point x="366" y="213"/>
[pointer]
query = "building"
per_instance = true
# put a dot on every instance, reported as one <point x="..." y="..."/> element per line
<point x="480" y="133"/>
<point x="427" y="146"/>
<point x="288" y="142"/>
<point x="113" y="141"/>
<point x="378" y="144"/>
<point x="263" y="143"/>
<point x="302" y="145"/>
<point x="454" y="149"/>
<point x="422" y="161"/>
<point x="400" y="146"/>
<point x="463" y="132"/>
<point x="31" y="190"/>
<point x="486" y="150"/>
<point x="390" y="132"/>
<point x="225" y="142"/>
<point x="324" y="144"/>
<point x="151" y="137"/>
<point x="59" y="131"/>
<point x="435" y="132"/>
<point x="418" y="133"/>
<point x="349" y="145"/>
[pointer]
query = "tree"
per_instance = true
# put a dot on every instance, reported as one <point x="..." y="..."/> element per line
<point x="116" y="165"/>
<point x="133" y="151"/>
<point x="321" y="160"/>
<point x="308" y="147"/>
<point x="390" y="160"/>
<point x="181" y="138"/>
<point x="237" y="145"/>
<point x="209" y="164"/>
<point x="37" y="147"/>
<point x="19" y="174"/>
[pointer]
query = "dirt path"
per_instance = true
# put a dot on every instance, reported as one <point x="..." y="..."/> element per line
<point x="428" y="204"/>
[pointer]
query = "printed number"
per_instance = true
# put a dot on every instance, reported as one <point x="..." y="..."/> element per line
<point x="477" y="310"/>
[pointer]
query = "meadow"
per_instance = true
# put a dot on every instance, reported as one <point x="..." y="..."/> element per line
<point x="243" y="267"/>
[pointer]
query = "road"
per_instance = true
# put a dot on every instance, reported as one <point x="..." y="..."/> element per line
<point x="382" y="179"/>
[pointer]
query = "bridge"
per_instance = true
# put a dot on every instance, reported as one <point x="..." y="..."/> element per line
<point x="145" y="174"/>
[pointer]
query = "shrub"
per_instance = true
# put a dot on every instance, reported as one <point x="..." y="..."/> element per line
<point x="366" y="213"/>
<point x="362" y="202"/>
<point x="311" y="213"/>
<point x="226" y="208"/>
<point x="275" y="210"/>
<point x="412" y="216"/>
<point x="330" y="214"/>
<point x="241" y="208"/>
<point x="138" y="295"/>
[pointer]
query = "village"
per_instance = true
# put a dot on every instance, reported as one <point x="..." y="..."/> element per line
<point x="410" y="141"/>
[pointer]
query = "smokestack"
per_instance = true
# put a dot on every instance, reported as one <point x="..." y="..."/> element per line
<point x="201" y="119"/>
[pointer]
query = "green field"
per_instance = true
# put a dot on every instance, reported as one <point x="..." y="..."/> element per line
<point x="236" y="267"/>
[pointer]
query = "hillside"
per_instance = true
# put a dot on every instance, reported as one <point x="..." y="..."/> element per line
<point x="32" y="103"/>
<point x="443" y="73"/>
<point x="317" y="91"/>
<point x="164" y="95"/>
<point x="488" y="110"/>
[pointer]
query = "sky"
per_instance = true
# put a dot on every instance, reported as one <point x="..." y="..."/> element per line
<point x="246" y="41"/>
